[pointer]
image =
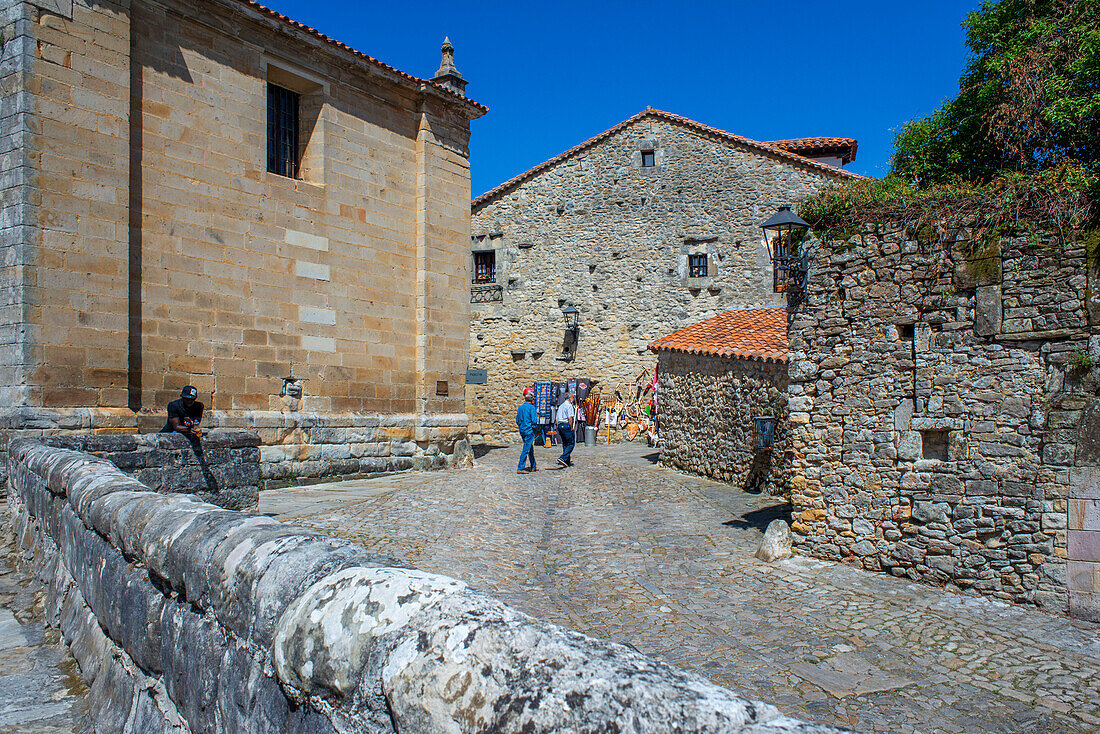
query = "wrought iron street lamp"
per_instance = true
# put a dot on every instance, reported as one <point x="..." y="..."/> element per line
<point x="783" y="232"/>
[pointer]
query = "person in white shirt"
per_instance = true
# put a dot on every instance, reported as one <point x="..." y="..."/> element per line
<point x="566" y="419"/>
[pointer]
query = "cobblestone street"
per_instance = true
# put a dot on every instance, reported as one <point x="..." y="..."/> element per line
<point x="40" y="687"/>
<point x="624" y="550"/>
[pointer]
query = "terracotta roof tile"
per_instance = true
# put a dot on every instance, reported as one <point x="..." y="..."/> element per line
<point x="809" y="146"/>
<point x="767" y="148"/>
<point x="754" y="334"/>
<point x="284" y="20"/>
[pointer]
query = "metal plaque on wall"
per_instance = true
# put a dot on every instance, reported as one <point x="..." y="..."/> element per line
<point x="477" y="377"/>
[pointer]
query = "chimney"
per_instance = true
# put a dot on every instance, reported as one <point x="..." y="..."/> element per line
<point x="447" y="74"/>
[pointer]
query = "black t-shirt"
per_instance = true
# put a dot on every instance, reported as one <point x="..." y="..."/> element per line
<point x="186" y="415"/>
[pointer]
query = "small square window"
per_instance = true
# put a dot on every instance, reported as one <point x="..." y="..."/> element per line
<point x="905" y="332"/>
<point x="282" y="131"/>
<point x="485" y="267"/>
<point x="648" y="159"/>
<point x="697" y="266"/>
<point x="934" y="445"/>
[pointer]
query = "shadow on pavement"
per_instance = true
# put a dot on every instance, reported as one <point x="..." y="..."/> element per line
<point x="759" y="519"/>
<point x="653" y="458"/>
<point x="483" y="449"/>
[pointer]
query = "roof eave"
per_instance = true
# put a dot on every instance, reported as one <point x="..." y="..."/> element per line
<point x="257" y="11"/>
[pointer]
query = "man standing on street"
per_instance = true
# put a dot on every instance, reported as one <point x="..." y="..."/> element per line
<point x="566" y="421"/>
<point x="527" y="421"/>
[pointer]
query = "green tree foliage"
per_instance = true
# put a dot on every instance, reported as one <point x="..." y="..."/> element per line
<point x="1029" y="98"/>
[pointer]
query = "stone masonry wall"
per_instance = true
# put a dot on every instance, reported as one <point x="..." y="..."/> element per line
<point x="612" y="238"/>
<point x="188" y="618"/>
<point x="145" y="245"/>
<point x="222" y="469"/>
<point x="294" y="447"/>
<point x="707" y="404"/>
<point x="935" y="412"/>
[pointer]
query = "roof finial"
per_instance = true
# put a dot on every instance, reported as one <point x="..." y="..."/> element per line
<point x="447" y="74"/>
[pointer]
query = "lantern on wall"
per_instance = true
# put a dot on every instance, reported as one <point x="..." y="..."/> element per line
<point x="783" y="232"/>
<point x="572" y="331"/>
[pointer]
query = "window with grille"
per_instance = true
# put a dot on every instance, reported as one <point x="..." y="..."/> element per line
<point x="282" y="131"/>
<point x="648" y="158"/>
<point x="485" y="267"/>
<point x="697" y="266"/>
<point x="763" y="433"/>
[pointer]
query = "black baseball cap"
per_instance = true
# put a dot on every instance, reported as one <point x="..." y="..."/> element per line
<point x="189" y="392"/>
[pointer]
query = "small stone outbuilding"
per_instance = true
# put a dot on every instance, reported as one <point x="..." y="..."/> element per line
<point x="721" y="398"/>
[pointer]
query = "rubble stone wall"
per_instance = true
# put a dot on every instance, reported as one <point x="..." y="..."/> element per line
<point x="613" y="238"/>
<point x="222" y="469"/>
<point x="188" y="618"/>
<point x="936" y="413"/>
<point x="707" y="404"/>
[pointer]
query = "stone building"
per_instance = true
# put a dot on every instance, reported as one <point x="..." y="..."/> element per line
<point x="645" y="228"/>
<point x="213" y="194"/>
<point x="722" y="398"/>
<point x="945" y="413"/>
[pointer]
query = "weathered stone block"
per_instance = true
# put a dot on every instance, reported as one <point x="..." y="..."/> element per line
<point x="987" y="310"/>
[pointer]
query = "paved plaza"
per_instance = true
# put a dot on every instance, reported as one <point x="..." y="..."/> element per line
<point x="621" y="549"/>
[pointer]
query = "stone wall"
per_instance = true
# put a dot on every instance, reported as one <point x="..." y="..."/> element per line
<point x="707" y="404"/>
<point x="222" y="469"/>
<point x="294" y="447"/>
<point x="599" y="231"/>
<point x="936" y="413"/>
<point x="148" y="247"/>
<point x="184" y="617"/>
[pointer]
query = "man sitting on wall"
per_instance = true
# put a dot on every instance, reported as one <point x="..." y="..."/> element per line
<point x="185" y="414"/>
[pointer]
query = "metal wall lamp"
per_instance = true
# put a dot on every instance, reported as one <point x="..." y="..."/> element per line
<point x="784" y="232"/>
<point x="572" y="331"/>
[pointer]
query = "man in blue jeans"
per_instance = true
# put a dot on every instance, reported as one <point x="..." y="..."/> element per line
<point x="527" y="420"/>
<point x="566" y="419"/>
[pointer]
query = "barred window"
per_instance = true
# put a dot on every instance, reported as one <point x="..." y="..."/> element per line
<point x="485" y="267"/>
<point x="763" y="433"/>
<point x="697" y="266"/>
<point x="282" y="131"/>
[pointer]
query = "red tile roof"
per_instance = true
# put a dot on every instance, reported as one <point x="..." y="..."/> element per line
<point x="284" y="20"/>
<point x="843" y="148"/>
<point x="754" y="334"/>
<point x="649" y="112"/>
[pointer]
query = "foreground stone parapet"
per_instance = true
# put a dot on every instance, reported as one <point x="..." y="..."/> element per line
<point x="186" y="617"/>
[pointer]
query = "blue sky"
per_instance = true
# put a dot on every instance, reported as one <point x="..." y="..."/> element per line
<point x="554" y="74"/>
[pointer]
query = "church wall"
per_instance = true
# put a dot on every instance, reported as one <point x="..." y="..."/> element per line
<point x="158" y="251"/>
